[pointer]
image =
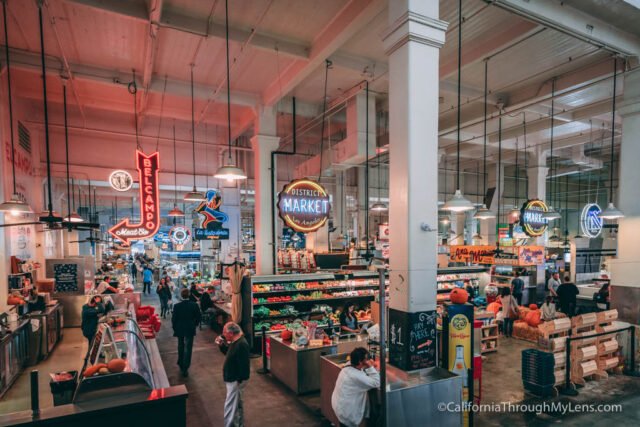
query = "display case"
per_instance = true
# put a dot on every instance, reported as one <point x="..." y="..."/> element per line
<point x="52" y="323"/>
<point x="454" y="277"/>
<point x="13" y="352"/>
<point x="143" y="369"/>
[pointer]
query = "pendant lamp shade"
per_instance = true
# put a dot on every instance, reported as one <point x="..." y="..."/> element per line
<point x="445" y="220"/>
<point x="176" y="211"/>
<point x="484" y="213"/>
<point x="514" y="213"/>
<point x="194" y="196"/>
<point x="229" y="171"/>
<point x="551" y="214"/>
<point x="74" y="217"/>
<point x="458" y="203"/>
<point x="15" y="205"/>
<point x="379" y="207"/>
<point x="611" y="212"/>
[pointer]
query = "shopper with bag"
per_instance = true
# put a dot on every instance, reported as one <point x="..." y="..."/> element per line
<point x="510" y="310"/>
<point x="164" y="293"/>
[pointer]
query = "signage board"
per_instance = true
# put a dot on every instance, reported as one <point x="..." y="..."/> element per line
<point x="412" y="339"/>
<point x="485" y="254"/>
<point x="179" y="235"/>
<point x="531" y="219"/>
<point x="207" y="234"/>
<point x="459" y="350"/>
<point x="590" y="222"/>
<point x="148" y="167"/>
<point x="120" y="180"/>
<point x="212" y="220"/>
<point x="304" y="205"/>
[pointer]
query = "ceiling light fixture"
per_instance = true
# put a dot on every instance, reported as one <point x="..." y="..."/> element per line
<point x="611" y="212"/>
<point x="193" y="195"/>
<point x="72" y="215"/>
<point x="229" y="171"/>
<point x="15" y="204"/>
<point x="551" y="214"/>
<point x="175" y="211"/>
<point x="458" y="202"/>
<point x="483" y="213"/>
<point x="514" y="213"/>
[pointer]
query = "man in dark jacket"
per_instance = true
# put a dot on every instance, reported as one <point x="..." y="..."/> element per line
<point x="235" y="372"/>
<point x="567" y="293"/>
<point x="185" y="318"/>
<point x="517" y="287"/>
<point x="91" y="312"/>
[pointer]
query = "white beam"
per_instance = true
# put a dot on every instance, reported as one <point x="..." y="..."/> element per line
<point x="135" y="9"/>
<point x="346" y="23"/>
<point x="150" y="50"/>
<point x="564" y="18"/>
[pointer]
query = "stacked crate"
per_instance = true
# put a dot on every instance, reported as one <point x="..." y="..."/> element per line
<point x="554" y="340"/>
<point x="538" y="369"/>
<point x="584" y="352"/>
<point x="607" y="344"/>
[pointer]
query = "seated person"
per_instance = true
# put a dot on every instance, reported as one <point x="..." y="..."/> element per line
<point x="205" y="300"/>
<point x="548" y="309"/>
<point x="105" y="287"/>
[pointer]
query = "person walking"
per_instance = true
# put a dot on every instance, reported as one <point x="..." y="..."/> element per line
<point x="517" y="286"/>
<point x="510" y="310"/>
<point x="134" y="271"/>
<point x="567" y="293"/>
<point x="91" y="312"/>
<point x="146" y="279"/>
<point x="164" y="293"/>
<point x="185" y="319"/>
<point x="349" y="399"/>
<point x="235" y="372"/>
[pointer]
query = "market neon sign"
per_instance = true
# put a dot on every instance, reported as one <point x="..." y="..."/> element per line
<point x="304" y="205"/>
<point x="590" y="222"/>
<point x="179" y="235"/>
<point x="531" y="218"/>
<point x="148" y="167"/>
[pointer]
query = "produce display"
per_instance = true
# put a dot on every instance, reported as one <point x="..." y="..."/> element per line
<point x="114" y="366"/>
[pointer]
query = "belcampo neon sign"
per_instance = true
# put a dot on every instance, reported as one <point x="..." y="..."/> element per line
<point x="148" y="167"/>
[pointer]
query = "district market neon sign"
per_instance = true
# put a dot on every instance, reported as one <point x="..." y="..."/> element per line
<point x="531" y="219"/>
<point x="148" y="167"/>
<point x="590" y="223"/>
<point x="304" y="205"/>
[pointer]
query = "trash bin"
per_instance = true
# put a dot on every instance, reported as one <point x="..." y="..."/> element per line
<point x="63" y="385"/>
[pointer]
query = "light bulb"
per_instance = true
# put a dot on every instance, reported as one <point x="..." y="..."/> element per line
<point x="15" y="213"/>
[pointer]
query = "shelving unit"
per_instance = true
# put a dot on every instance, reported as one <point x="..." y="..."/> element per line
<point x="489" y="340"/>
<point x="554" y="340"/>
<point x="451" y="278"/>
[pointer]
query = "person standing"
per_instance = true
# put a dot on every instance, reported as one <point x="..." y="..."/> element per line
<point x="185" y="319"/>
<point x="517" y="286"/>
<point x="554" y="284"/>
<point x="164" y="293"/>
<point x="348" y="319"/>
<point x="91" y="312"/>
<point x="134" y="271"/>
<point x="349" y="399"/>
<point x="510" y="311"/>
<point x="235" y="372"/>
<point x="567" y="293"/>
<point x="471" y="292"/>
<point x="146" y="279"/>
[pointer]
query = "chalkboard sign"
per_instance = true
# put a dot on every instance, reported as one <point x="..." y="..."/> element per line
<point x="66" y="276"/>
<point x="412" y="339"/>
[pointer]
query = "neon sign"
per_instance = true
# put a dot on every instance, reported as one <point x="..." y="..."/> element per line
<point x="213" y="219"/>
<point x="148" y="167"/>
<point x="304" y="205"/>
<point x="179" y="235"/>
<point x="120" y="180"/>
<point x="590" y="223"/>
<point x="531" y="219"/>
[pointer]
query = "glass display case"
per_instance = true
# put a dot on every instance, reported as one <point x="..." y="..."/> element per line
<point x="124" y="341"/>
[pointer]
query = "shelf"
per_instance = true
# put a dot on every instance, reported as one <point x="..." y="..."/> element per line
<point x="493" y="337"/>
<point x="488" y="350"/>
<point x="284" y="316"/>
<point x="350" y="288"/>
<point x="490" y="326"/>
<point x="314" y="300"/>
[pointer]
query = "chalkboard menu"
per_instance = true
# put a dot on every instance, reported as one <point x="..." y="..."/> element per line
<point x="66" y="276"/>
<point x="412" y="339"/>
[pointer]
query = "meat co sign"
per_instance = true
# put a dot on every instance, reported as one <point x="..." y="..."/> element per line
<point x="304" y="205"/>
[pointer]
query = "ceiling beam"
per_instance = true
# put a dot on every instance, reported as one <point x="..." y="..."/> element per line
<point x="150" y="51"/>
<point x="354" y="16"/>
<point x="568" y="20"/>
<point x="136" y="9"/>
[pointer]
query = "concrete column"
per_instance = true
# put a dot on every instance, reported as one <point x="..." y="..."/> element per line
<point x="624" y="269"/>
<point x="537" y="176"/>
<point x="363" y="206"/>
<point x="488" y="227"/>
<point x="412" y="42"/>
<point x="231" y="248"/>
<point x="264" y="143"/>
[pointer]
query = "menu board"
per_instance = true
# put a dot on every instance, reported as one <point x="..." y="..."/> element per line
<point x="412" y="339"/>
<point x="66" y="276"/>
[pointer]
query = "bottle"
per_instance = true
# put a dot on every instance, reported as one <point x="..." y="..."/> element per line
<point x="459" y="366"/>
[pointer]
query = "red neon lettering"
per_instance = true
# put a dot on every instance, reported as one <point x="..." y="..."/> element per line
<point x="146" y="163"/>
<point x="150" y="225"/>
<point x="149" y="199"/>
<point x="147" y="172"/>
<point x="149" y="208"/>
<point x="149" y="216"/>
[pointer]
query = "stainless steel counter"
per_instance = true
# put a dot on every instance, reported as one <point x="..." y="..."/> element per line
<point x="13" y="353"/>
<point x="52" y="323"/>
<point x="72" y="305"/>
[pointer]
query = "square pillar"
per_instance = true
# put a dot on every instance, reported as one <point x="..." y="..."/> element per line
<point x="537" y="177"/>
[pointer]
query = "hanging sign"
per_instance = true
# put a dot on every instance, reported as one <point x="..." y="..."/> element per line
<point x="304" y="205"/>
<point x="148" y="167"/>
<point x="485" y="254"/>
<point x="179" y="235"/>
<point x="120" y="180"/>
<point x="213" y="219"/>
<point x="590" y="222"/>
<point x="531" y="219"/>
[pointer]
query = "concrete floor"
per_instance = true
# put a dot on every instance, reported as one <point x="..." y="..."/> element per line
<point x="269" y="403"/>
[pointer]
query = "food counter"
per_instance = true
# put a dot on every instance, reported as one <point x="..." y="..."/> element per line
<point x="13" y="353"/>
<point x="52" y="322"/>
<point x="298" y="367"/>
<point x="72" y="305"/>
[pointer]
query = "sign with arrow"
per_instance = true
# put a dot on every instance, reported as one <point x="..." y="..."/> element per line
<point x="148" y="167"/>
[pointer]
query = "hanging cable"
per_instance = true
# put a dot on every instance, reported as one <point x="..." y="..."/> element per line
<point x="613" y="128"/>
<point x="164" y="90"/>
<point x="6" y="47"/>
<point x="366" y="175"/>
<point x="552" y="186"/>
<point x="517" y="176"/>
<point x="132" y="87"/>
<point x="46" y="114"/>
<point x="226" y="15"/>
<point x="499" y="179"/>
<point x="459" y="88"/>
<point x="484" y="168"/>
<point x="66" y="147"/>
<point x="324" y="112"/>
<point x="193" y="126"/>
<point x="526" y="159"/>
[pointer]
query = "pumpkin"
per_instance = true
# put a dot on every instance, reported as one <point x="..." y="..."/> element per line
<point x="458" y="296"/>
<point x="533" y="307"/>
<point x="103" y="371"/>
<point x="533" y="318"/>
<point x="494" y="307"/>
<point x="286" y="335"/>
<point x="92" y="370"/>
<point x="116" y="365"/>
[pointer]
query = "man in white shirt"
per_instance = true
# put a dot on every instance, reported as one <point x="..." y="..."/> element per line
<point x="554" y="284"/>
<point x="349" y="399"/>
<point x="105" y="287"/>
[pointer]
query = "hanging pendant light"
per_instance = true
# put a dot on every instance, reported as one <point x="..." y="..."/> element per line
<point x="483" y="213"/>
<point x="49" y="216"/>
<point x="193" y="195"/>
<point x="72" y="216"/>
<point x="175" y="211"/>
<point x="611" y="212"/>
<point x="514" y="213"/>
<point x="379" y="206"/>
<point x="445" y="220"/>
<point x="229" y="171"/>
<point x="550" y="214"/>
<point x="458" y="202"/>
<point x="16" y="205"/>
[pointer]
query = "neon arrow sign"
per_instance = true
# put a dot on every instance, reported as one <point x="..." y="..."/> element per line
<point x="148" y="167"/>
